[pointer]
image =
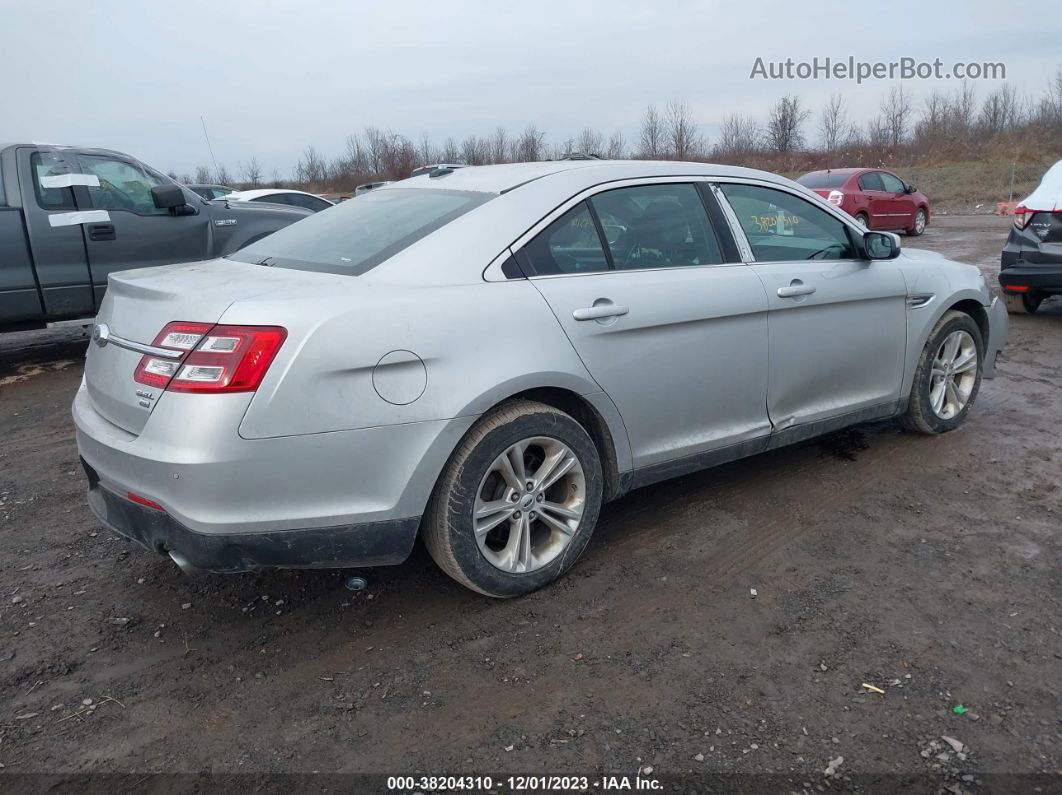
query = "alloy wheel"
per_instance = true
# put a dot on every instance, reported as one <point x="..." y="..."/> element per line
<point x="954" y="373"/>
<point x="529" y="504"/>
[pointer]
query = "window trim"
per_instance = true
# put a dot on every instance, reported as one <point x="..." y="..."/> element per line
<point x="855" y="234"/>
<point x="90" y="205"/>
<point x="518" y="245"/>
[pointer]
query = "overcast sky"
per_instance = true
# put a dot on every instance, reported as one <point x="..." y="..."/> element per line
<point x="271" y="77"/>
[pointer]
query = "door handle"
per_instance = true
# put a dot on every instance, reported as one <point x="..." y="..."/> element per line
<point x="102" y="232"/>
<point x="796" y="289"/>
<point x="600" y="311"/>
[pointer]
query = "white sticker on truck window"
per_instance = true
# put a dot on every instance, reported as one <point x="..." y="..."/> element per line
<point x="67" y="180"/>
<point x="82" y="217"/>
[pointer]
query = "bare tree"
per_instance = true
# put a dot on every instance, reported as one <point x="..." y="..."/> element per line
<point x="785" y="124"/>
<point x="223" y="175"/>
<point x="202" y="175"/>
<point x="590" y="142"/>
<point x="475" y="151"/>
<point x="530" y="146"/>
<point x="275" y="181"/>
<point x="835" y="129"/>
<point x="652" y="135"/>
<point x="616" y="146"/>
<point x="961" y="111"/>
<point x="499" y="146"/>
<point x="739" y="136"/>
<point x="931" y="128"/>
<point x="251" y="171"/>
<point x="426" y="152"/>
<point x="450" y="153"/>
<point x="1049" y="111"/>
<point x="311" y="167"/>
<point x="680" y="131"/>
<point x="896" y="114"/>
<point x="1003" y="110"/>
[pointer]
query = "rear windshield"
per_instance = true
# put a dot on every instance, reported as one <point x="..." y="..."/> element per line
<point x="822" y="179"/>
<point x="359" y="234"/>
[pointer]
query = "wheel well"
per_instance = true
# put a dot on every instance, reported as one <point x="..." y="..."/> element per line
<point x="587" y="416"/>
<point x="977" y="312"/>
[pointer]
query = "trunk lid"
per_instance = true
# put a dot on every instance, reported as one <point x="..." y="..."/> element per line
<point x="139" y="303"/>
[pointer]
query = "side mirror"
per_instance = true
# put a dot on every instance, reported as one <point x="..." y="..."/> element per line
<point x="168" y="197"/>
<point x="881" y="245"/>
<point x="909" y="188"/>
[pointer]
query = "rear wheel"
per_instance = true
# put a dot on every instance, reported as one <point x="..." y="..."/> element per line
<point x="948" y="376"/>
<point x="863" y="220"/>
<point x="1021" y="303"/>
<point x="919" y="225"/>
<point x="517" y="502"/>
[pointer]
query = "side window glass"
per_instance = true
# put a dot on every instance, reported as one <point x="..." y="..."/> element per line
<point x="52" y="164"/>
<point x="891" y="183"/>
<point x="871" y="181"/>
<point x="273" y="198"/>
<point x="570" y="244"/>
<point x="781" y="227"/>
<point x="123" y="186"/>
<point x="657" y="226"/>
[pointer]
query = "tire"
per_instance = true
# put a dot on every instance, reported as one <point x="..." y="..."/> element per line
<point x="920" y="222"/>
<point x="1021" y="303"/>
<point x="921" y="416"/>
<point x="863" y="220"/>
<point x="494" y="562"/>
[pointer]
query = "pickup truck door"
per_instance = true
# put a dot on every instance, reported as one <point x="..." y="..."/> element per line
<point x="136" y="234"/>
<point x="55" y="236"/>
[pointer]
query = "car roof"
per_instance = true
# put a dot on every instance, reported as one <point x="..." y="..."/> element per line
<point x="247" y="195"/>
<point x="844" y="172"/>
<point x="506" y="177"/>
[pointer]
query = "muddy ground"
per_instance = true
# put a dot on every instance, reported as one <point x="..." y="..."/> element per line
<point x="926" y="567"/>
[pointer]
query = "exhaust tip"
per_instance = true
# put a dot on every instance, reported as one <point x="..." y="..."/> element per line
<point x="182" y="562"/>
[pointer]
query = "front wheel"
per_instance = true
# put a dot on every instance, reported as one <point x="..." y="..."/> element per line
<point x="948" y="376"/>
<point x="919" y="226"/>
<point x="863" y="220"/>
<point x="1021" y="303"/>
<point x="517" y="502"/>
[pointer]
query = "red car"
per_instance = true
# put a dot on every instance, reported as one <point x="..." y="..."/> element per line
<point x="877" y="199"/>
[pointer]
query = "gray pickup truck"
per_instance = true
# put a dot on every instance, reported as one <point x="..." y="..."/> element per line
<point x="70" y="216"/>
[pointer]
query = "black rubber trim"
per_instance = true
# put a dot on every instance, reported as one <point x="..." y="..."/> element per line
<point x="372" y="544"/>
<point x="1038" y="279"/>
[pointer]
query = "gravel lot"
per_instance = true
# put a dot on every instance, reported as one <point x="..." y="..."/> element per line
<point x="927" y="567"/>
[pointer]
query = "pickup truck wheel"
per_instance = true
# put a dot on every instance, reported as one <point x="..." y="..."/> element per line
<point x="1021" y="304"/>
<point x="517" y="502"/>
<point x="948" y="376"/>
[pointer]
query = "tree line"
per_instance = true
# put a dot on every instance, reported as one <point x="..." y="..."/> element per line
<point x="949" y="126"/>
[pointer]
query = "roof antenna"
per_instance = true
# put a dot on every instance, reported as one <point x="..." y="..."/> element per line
<point x="217" y="174"/>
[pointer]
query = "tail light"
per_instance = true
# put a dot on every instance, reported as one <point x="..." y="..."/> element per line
<point x="835" y="197"/>
<point x="213" y="358"/>
<point x="1021" y="217"/>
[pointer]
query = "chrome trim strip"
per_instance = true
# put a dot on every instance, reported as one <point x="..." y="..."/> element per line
<point x="147" y="350"/>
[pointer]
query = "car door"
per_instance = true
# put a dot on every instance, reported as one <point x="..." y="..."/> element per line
<point x="135" y="233"/>
<point x="901" y="207"/>
<point x="877" y="201"/>
<point x="837" y="322"/>
<point x="54" y="227"/>
<point x="676" y="336"/>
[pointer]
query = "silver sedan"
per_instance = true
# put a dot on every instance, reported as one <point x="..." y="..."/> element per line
<point x="482" y="356"/>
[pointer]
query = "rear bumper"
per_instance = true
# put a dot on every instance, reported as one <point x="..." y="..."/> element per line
<point x="375" y="543"/>
<point x="345" y="498"/>
<point x="1044" y="279"/>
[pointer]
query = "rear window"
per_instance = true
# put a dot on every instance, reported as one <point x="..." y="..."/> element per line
<point x="358" y="235"/>
<point x="818" y="180"/>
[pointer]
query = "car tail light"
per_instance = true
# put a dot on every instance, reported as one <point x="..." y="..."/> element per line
<point x="1016" y="288"/>
<point x="1021" y="217"/>
<point x="133" y="497"/>
<point x="835" y="197"/>
<point x="214" y="358"/>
